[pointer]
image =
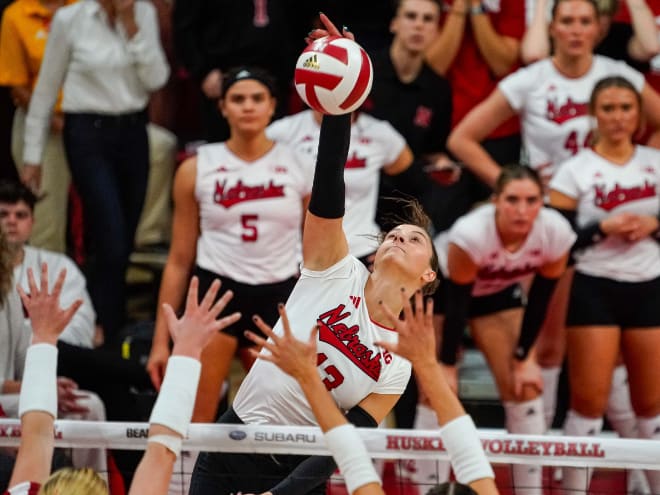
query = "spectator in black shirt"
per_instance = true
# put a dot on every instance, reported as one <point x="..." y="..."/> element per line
<point x="212" y="36"/>
<point x="417" y="102"/>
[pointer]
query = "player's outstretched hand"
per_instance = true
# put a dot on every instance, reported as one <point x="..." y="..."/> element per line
<point x="330" y="30"/>
<point x="198" y="324"/>
<point x="295" y="357"/>
<point x="416" y="333"/>
<point x="48" y="320"/>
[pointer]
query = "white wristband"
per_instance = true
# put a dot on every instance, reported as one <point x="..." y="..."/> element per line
<point x="174" y="406"/>
<point x="39" y="383"/>
<point x="171" y="443"/>
<point x="468" y="459"/>
<point x="351" y="457"/>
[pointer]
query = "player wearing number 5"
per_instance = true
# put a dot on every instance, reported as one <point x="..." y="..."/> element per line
<point x="238" y="215"/>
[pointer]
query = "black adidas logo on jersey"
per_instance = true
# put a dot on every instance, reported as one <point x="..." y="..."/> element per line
<point x="312" y="63"/>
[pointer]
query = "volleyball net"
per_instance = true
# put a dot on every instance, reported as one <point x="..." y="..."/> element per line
<point x="395" y="446"/>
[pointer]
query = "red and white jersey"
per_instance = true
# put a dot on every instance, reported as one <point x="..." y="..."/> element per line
<point x="374" y="144"/>
<point x="350" y="364"/>
<point x="551" y="238"/>
<point x="554" y="109"/>
<point x="603" y="189"/>
<point x="25" y="488"/>
<point x="250" y="213"/>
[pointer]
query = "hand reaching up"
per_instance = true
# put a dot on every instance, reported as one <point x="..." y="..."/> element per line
<point x="295" y="357"/>
<point x="416" y="333"/>
<point x="48" y="319"/>
<point x="198" y="324"/>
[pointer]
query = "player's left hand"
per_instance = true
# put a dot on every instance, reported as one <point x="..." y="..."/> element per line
<point x="47" y="319"/>
<point x="644" y="227"/>
<point x="295" y="357"/>
<point x="526" y="374"/>
<point x="199" y="322"/>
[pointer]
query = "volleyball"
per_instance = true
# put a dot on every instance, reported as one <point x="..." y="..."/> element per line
<point x="333" y="75"/>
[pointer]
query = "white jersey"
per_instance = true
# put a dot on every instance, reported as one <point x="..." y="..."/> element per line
<point x="374" y="144"/>
<point x="25" y="488"/>
<point x="603" y="189"/>
<point x="250" y="213"/>
<point x="80" y="330"/>
<point x="350" y="364"/>
<point x="551" y="238"/>
<point x="554" y="109"/>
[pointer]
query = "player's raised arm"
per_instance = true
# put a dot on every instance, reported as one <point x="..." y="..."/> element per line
<point x="417" y="344"/>
<point x="324" y="241"/>
<point x="173" y="410"/>
<point x="37" y="405"/>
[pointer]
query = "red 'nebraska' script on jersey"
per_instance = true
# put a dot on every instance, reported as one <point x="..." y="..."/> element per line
<point x="491" y="273"/>
<point x="347" y="340"/>
<point x="608" y="200"/>
<point x="569" y="110"/>
<point x="228" y="196"/>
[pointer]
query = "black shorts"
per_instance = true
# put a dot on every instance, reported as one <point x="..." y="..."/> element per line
<point x="249" y="300"/>
<point x="607" y="302"/>
<point x="225" y="473"/>
<point x="509" y="298"/>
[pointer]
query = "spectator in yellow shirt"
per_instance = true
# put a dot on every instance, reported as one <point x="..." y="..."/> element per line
<point x="23" y="37"/>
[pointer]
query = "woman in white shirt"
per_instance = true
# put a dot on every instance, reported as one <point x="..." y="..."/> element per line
<point x="106" y="57"/>
<point x="610" y="192"/>
<point x="552" y="98"/>
<point x="487" y="254"/>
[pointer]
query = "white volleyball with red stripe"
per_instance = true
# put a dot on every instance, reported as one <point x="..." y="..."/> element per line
<point x="333" y="75"/>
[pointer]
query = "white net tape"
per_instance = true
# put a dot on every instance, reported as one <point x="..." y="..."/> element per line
<point x="500" y="447"/>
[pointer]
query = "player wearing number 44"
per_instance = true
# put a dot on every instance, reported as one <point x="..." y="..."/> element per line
<point x="552" y="98"/>
<point x="238" y="213"/>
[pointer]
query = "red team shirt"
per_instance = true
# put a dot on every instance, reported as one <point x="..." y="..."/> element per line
<point x="470" y="77"/>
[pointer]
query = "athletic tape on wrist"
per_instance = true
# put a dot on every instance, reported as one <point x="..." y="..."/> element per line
<point x="39" y="383"/>
<point x="468" y="459"/>
<point x="171" y="443"/>
<point x="174" y="406"/>
<point x="351" y="456"/>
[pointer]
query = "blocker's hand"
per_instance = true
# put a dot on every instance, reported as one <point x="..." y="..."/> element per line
<point x="295" y="357"/>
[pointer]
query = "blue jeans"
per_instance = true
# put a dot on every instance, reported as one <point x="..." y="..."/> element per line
<point x="109" y="161"/>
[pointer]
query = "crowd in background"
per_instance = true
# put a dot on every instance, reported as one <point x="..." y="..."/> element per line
<point x="108" y="107"/>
